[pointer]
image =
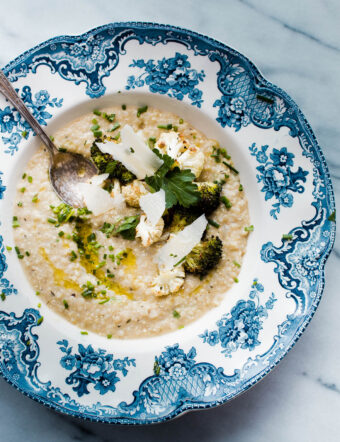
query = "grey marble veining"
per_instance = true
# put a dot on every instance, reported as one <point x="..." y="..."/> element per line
<point x="296" y="44"/>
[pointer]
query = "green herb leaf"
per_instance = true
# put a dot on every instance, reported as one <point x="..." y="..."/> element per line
<point x="213" y="223"/>
<point x="127" y="229"/>
<point x="249" y="229"/>
<point x="226" y="202"/>
<point x="141" y="110"/>
<point x="332" y="216"/>
<point x="165" y="126"/>
<point x="177" y="184"/>
<point x="287" y="237"/>
<point x="175" y="314"/>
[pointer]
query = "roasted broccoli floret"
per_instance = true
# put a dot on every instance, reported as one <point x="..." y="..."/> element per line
<point x="180" y="219"/>
<point x="204" y="257"/>
<point x="100" y="159"/>
<point x="106" y="164"/>
<point x="209" y="197"/>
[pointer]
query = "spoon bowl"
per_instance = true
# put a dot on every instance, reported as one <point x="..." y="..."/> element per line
<point x="66" y="169"/>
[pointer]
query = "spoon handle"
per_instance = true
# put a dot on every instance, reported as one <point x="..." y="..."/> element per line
<point x="8" y="91"/>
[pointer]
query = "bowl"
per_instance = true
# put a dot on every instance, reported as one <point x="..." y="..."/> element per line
<point x="291" y="205"/>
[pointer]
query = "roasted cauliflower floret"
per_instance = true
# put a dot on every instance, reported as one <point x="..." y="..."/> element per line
<point x="147" y="232"/>
<point x="117" y="194"/>
<point x="170" y="143"/>
<point x="192" y="159"/>
<point x="168" y="281"/>
<point x="133" y="191"/>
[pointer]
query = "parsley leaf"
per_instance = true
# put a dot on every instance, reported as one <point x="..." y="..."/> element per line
<point x="177" y="184"/>
<point x="127" y="229"/>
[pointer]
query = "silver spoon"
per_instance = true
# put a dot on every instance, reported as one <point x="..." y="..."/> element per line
<point x="66" y="169"/>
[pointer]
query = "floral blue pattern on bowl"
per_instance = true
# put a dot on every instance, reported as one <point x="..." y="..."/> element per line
<point x="152" y="381"/>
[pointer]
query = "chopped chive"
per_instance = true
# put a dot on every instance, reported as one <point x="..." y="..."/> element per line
<point x="117" y="136"/>
<point x="213" y="223"/>
<point x="52" y="138"/>
<point x="175" y="128"/>
<point x="235" y="279"/>
<point x="15" y="222"/>
<point x="94" y="121"/>
<point x="249" y="229"/>
<point x="3" y="296"/>
<point x="332" y="216"/>
<point x="83" y="333"/>
<point x="109" y="117"/>
<point x="65" y="303"/>
<point x="39" y="305"/>
<point x="287" y="237"/>
<point x="95" y="127"/>
<point x="115" y="127"/>
<point x="232" y="168"/>
<point x="97" y="112"/>
<point x="141" y="110"/>
<point x="132" y="150"/>
<point x="29" y="179"/>
<point x="104" y="301"/>
<point x="73" y="256"/>
<point x="23" y="189"/>
<point x="181" y="121"/>
<point x="165" y="126"/>
<point x="180" y="261"/>
<point x="97" y="133"/>
<point x="264" y="98"/>
<point x="51" y="221"/>
<point x="175" y="314"/>
<point x="101" y="264"/>
<point x="111" y="248"/>
<point x="27" y="253"/>
<point x="9" y="248"/>
<point x="61" y="233"/>
<point x="109" y="336"/>
<point x="226" y="202"/>
<point x="24" y="134"/>
<point x="35" y="199"/>
<point x="151" y="142"/>
<point x="240" y="188"/>
<point x="236" y="264"/>
<point x="37" y="293"/>
<point x="24" y="176"/>
<point x="124" y="106"/>
<point x="40" y="320"/>
<point x="62" y="149"/>
<point x="19" y="204"/>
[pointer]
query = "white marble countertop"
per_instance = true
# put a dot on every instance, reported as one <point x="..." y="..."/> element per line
<point x="296" y="44"/>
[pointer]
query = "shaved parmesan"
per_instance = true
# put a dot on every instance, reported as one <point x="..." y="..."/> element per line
<point x="133" y="153"/>
<point x="96" y="199"/>
<point x="179" y="245"/>
<point x="153" y="205"/>
<point x="170" y="143"/>
<point x="98" y="180"/>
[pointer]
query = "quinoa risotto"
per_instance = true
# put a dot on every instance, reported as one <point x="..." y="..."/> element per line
<point x="99" y="270"/>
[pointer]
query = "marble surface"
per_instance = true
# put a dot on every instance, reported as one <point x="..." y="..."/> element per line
<point x="296" y="44"/>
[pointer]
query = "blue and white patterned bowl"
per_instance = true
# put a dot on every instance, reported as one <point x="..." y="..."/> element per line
<point x="289" y="190"/>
